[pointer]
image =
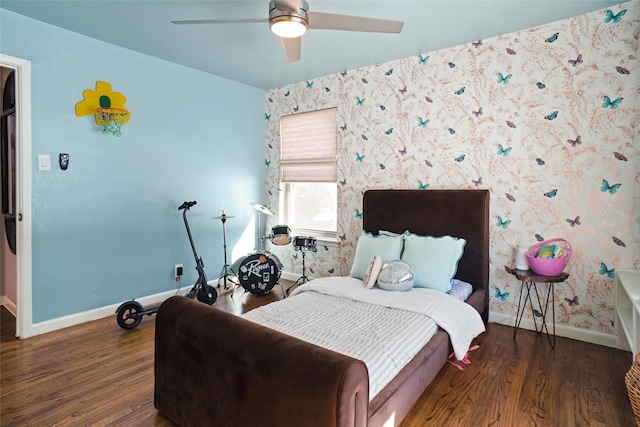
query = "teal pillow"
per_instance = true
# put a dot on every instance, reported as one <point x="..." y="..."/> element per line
<point x="434" y="259"/>
<point x="386" y="247"/>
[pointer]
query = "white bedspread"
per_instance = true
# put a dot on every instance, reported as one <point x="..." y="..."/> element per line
<point x="339" y="313"/>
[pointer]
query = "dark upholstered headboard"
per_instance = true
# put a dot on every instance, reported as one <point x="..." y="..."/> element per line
<point x="458" y="213"/>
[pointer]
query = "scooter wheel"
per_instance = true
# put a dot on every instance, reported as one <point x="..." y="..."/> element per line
<point x="207" y="294"/>
<point x="128" y="315"/>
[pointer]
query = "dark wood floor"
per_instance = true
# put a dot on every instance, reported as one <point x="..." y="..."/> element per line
<point x="99" y="374"/>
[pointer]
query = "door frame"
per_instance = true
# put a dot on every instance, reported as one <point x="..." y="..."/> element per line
<point x="24" y="317"/>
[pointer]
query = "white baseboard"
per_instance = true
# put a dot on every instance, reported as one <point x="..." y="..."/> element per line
<point x="9" y="305"/>
<point x="110" y="310"/>
<point x="593" y="337"/>
<point x="288" y="275"/>
<point x="102" y="312"/>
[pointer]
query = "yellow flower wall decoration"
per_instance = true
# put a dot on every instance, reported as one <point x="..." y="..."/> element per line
<point x="102" y="98"/>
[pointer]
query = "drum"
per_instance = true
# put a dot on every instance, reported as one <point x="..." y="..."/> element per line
<point x="304" y="243"/>
<point x="280" y="235"/>
<point x="259" y="272"/>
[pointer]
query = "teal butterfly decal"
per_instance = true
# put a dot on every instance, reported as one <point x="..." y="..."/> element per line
<point x="359" y="101"/>
<point x="358" y="214"/>
<point x="382" y="107"/>
<point x="267" y="162"/>
<point x="452" y="131"/>
<point x="610" y="17"/>
<point x="287" y="93"/>
<point x="503" y="151"/>
<point x="309" y="84"/>
<point x="327" y="89"/>
<point x="605" y="271"/>
<point x="503" y="223"/>
<point x="359" y="157"/>
<point x="388" y="73"/>
<point x="459" y="158"/>
<point x="539" y="161"/>
<point x="389" y="131"/>
<point x="423" y="60"/>
<point x="540" y="85"/>
<point x="539" y="238"/>
<point x="451" y="65"/>
<point x="423" y="123"/>
<point x="460" y="91"/>
<point x="383" y="167"/>
<point x="501" y="295"/>
<point x="267" y="116"/>
<point x="607" y="102"/>
<point x="331" y="270"/>
<point x="552" y="193"/>
<point x="504" y="79"/>
<point x="553" y="38"/>
<point x="537" y="313"/>
<point x="422" y="186"/>
<point x="610" y="188"/>
<point x="552" y="116"/>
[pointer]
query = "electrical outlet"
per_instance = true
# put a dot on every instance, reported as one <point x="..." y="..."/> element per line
<point x="178" y="270"/>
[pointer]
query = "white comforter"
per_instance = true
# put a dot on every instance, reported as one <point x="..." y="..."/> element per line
<point x="339" y="313"/>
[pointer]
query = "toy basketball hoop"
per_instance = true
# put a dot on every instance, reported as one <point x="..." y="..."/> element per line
<point x="111" y="119"/>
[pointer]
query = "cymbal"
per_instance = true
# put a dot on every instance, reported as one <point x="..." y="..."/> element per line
<point x="263" y="209"/>
<point x="223" y="216"/>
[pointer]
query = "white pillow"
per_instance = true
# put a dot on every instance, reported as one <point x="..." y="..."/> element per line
<point x="386" y="247"/>
<point x="373" y="270"/>
<point x="434" y="259"/>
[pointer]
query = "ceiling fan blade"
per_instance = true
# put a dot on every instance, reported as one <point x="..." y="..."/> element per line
<point x="220" y="21"/>
<point x="289" y="5"/>
<point x="291" y="47"/>
<point x="331" y="21"/>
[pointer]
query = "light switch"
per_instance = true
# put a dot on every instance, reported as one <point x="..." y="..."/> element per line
<point x="44" y="162"/>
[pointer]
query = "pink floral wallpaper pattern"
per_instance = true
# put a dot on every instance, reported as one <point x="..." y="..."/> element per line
<point x="547" y="119"/>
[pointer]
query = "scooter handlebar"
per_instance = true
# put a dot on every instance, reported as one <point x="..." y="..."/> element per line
<point x="187" y="205"/>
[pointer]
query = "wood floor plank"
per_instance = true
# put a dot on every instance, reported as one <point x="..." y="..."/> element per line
<point x="97" y="374"/>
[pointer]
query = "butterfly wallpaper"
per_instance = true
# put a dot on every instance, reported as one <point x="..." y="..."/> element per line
<point x="546" y="118"/>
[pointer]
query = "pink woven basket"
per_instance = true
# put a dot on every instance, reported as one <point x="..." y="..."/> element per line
<point x="549" y="266"/>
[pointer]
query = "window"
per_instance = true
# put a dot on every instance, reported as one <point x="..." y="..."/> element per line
<point x="308" y="173"/>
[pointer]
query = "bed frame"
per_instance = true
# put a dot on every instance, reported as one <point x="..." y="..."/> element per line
<point x="216" y="368"/>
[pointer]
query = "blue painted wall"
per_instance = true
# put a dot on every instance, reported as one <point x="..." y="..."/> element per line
<point x="108" y="229"/>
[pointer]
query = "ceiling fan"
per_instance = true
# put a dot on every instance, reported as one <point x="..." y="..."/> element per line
<point x="290" y="19"/>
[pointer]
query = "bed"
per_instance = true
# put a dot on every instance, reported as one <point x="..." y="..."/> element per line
<point x="215" y="368"/>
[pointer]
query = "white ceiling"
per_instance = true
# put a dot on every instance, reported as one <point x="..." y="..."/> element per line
<point x="249" y="53"/>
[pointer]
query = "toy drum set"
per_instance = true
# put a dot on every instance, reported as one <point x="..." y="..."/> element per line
<point x="260" y="271"/>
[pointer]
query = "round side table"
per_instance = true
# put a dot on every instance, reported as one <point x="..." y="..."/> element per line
<point x="528" y="280"/>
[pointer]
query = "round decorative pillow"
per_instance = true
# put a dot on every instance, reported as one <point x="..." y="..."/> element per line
<point x="396" y="276"/>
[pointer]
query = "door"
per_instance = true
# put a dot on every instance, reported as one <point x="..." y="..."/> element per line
<point x="8" y="160"/>
<point x="15" y="177"/>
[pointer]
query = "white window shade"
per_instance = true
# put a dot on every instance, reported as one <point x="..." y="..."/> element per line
<point x="308" y="148"/>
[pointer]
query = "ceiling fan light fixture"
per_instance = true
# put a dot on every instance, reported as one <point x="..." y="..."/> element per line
<point x="288" y="26"/>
